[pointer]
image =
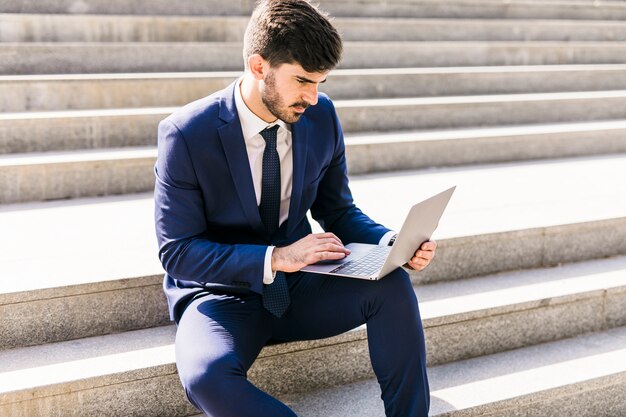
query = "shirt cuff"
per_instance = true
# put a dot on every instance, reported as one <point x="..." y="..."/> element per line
<point x="384" y="241"/>
<point x="268" y="274"/>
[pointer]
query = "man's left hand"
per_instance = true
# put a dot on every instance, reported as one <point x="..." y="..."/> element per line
<point x="423" y="255"/>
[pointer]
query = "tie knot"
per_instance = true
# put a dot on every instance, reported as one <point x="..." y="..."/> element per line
<point x="270" y="133"/>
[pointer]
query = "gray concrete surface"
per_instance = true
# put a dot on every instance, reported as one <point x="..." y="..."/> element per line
<point x="579" y="376"/>
<point x="129" y="374"/>
<point x="101" y="91"/>
<point x="494" y="205"/>
<point x="379" y="115"/>
<point x="488" y="228"/>
<point x="72" y="282"/>
<point x="41" y="177"/>
<point x="135" y="363"/>
<point x="76" y="58"/>
<point x="115" y="28"/>
<point x="370" y="153"/>
<point x="398" y="8"/>
<point x="86" y="129"/>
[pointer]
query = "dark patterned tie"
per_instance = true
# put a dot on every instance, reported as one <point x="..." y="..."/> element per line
<point x="276" y="295"/>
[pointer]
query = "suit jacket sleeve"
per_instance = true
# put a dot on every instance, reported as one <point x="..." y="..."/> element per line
<point x="181" y="223"/>
<point x="334" y="206"/>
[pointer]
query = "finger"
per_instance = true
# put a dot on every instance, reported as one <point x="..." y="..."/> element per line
<point x="328" y="235"/>
<point x="420" y="261"/>
<point x="425" y="254"/>
<point x="331" y="247"/>
<point x="330" y="240"/>
<point x="429" y="245"/>
<point x="417" y="266"/>
<point x="327" y="256"/>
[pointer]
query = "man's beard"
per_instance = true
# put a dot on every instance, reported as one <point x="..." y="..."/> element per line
<point x="274" y="103"/>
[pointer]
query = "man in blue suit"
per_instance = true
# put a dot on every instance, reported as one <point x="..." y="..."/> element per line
<point x="235" y="176"/>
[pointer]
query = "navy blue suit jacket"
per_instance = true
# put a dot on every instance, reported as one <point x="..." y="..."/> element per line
<point x="208" y="226"/>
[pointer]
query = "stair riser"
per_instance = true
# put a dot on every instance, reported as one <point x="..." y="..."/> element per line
<point x="64" y="134"/>
<point x="91" y="313"/>
<point x="474" y="114"/>
<point x="596" y="397"/>
<point x="382" y="157"/>
<point x="50" y="134"/>
<point x="486" y="9"/>
<point x="470" y="256"/>
<point x="544" y="321"/>
<point x="64" y="28"/>
<point x="44" y="182"/>
<point x="43" y="95"/>
<point x="68" y="28"/>
<point x="20" y="59"/>
<point x="94" y="309"/>
<point x="156" y="394"/>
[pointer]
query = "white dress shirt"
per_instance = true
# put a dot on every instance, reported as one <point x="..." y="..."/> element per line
<point x="251" y="126"/>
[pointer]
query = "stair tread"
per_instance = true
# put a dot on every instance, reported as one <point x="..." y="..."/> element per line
<point x="67" y="239"/>
<point x="85" y="155"/>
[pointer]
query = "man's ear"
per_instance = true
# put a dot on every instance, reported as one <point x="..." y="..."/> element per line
<point x="257" y="65"/>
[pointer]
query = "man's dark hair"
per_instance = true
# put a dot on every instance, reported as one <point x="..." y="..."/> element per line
<point x="292" y="31"/>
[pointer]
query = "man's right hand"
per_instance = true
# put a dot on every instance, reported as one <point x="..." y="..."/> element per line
<point x="308" y="250"/>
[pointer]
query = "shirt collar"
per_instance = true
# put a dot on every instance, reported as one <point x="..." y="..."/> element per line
<point x="251" y="124"/>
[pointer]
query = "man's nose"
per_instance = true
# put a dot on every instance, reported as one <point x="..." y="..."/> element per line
<point x="310" y="94"/>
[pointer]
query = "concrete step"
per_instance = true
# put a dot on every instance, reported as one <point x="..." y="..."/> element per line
<point x="53" y="176"/>
<point x="116" y="28"/>
<point x="476" y="317"/>
<point x="379" y="115"/>
<point x="84" y="129"/>
<point x="98" y="172"/>
<point x="90" y="259"/>
<point x="494" y="9"/>
<point x="370" y="153"/>
<point x="77" y="58"/>
<point x="100" y="91"/>
<point x="583" y="376"/>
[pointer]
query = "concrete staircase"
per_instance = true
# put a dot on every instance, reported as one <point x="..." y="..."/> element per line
<point x="521" y="104"/>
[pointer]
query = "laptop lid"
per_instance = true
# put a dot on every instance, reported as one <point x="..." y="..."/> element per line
<point x="418" y="227"/>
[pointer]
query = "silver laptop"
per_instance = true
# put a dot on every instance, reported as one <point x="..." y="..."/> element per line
<point x="373" y="262"/>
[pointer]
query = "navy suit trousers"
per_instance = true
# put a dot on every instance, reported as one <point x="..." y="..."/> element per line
<point x="220" y="335"/>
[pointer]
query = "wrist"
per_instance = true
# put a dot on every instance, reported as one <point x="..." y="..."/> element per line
<point x="276" y="259"/>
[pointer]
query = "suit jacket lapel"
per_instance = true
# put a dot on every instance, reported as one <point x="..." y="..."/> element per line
<point x="299" y="148"/>
<point x="238" y="164"/>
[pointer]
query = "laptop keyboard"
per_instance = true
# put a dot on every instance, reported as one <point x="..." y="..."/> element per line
<point x="366" y="265"/>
